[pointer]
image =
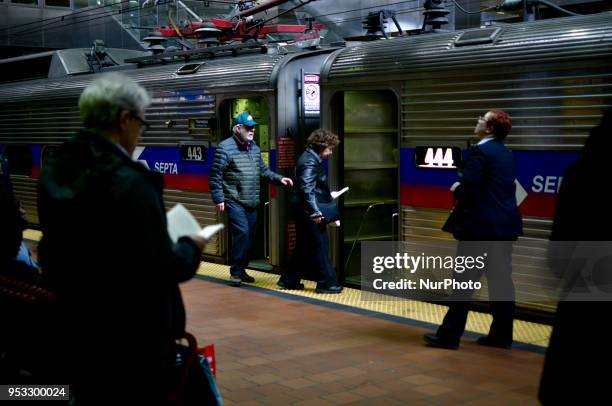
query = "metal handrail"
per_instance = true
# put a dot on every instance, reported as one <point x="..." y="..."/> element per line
<point x="348" y="259"/>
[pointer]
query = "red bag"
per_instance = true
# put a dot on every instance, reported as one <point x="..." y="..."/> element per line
<point x="208" y="352"/>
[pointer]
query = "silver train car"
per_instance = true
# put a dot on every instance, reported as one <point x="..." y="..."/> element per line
<point x="402" y="108"/>
<point x="192" y="110"/>
<point x="394" y="102"/>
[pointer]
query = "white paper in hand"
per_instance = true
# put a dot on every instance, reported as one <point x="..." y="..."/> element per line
<point x="211" y="230"/>
<point x="182" y="223"/>
<point x="339" y="192"/>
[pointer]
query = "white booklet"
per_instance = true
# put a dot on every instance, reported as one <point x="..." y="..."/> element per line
<point x="182" y="223"/>
<point x="340" y="192"/>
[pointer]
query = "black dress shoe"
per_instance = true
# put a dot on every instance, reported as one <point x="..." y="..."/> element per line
<point x="235" y="281"/>
<point x="246" y="278"/>
<point x="295" y="286"/>
<point x="486" y="340"/>
<point x="331" y="289"/>
<point x="434" y="341"/>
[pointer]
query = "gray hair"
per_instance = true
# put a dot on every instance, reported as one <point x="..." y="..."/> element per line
<point x="105" y="98"/>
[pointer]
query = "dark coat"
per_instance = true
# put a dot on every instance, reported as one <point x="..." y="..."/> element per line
<point x="235" y="173"/>
<point x="312" y="190"/>
<point x="485" y="200"/>
<point x="106" y="251"/>
<point x="580" y="345"/>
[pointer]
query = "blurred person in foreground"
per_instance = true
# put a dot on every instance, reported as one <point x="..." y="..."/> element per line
<point x="107" y="253"/>
<point x="578" y="345"/>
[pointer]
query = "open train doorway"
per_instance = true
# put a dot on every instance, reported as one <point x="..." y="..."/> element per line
<point x="258" y="108"/>
<point x="368" y="163"/>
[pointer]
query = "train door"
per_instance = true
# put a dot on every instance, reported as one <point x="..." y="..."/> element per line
<point x="368" y="163"/>
<point x="258" y="108"/>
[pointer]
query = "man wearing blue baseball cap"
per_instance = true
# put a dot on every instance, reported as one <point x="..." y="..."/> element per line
<point x="234" y="185"/>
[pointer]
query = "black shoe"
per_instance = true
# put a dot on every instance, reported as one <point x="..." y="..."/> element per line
<point x="235" y="281"/>
<point x="486" y="340"/>
<point x="246" y="278"/>
<point x="331" y="289"/>
<point x="296" y="286"/>
<point x="434" y="341"/>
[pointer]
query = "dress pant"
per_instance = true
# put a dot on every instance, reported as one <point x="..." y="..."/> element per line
<point x="243" y="223"/>
<point x="311" y="252"/>
<point x="498" y="272"/>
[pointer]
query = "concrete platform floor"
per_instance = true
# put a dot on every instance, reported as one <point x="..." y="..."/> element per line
<point x="281" y="350"/>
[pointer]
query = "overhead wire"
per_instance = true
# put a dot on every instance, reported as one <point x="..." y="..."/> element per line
<point x="100" y="15"/>
<point x="109" y="13"/>
<point x="473" y="12"/>
<point x="364" y="8"/>
<point x="62" y="18"/>
<point x="97" y="16"/>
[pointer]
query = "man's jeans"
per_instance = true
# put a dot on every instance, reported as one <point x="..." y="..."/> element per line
<point x="243" y="223"/>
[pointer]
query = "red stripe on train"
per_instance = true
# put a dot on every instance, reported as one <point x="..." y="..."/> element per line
<point x="187" y="182"/>
<point x="426" y="196"/>
<point x="534" y="205"/>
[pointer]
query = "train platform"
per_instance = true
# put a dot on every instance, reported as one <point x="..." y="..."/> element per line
<point x="278" y="347"/>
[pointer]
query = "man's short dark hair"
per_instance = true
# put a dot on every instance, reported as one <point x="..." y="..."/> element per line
<point x="321" y="139"/>
<point x="501" y="123"/>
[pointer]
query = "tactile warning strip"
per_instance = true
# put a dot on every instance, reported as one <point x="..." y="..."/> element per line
<point x="524" y="332"/>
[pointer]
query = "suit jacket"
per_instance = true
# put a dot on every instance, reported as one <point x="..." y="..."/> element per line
<point x="312" y="188"/>
<point x="485" y="205"/>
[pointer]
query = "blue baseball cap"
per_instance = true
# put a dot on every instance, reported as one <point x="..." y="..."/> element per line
<point x="245" y="119"/>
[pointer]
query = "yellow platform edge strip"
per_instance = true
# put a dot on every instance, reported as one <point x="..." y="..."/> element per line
<point x="524" y="331"/>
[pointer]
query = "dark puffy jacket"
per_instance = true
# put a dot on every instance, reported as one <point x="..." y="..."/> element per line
<point x="312" y="184"/>
<point x="235" y="173"/>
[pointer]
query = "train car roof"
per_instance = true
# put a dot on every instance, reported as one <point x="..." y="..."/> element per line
<point x="249" y="72"/>
<point x="561" y="39"/>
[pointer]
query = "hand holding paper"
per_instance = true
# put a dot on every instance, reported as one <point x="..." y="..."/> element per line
<point x="340" y="192"/>
<point x="182" y="223"/>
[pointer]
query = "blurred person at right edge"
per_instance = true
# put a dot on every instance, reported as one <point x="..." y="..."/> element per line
<point x="579" y="345"/>
<point x="485" y="221"/>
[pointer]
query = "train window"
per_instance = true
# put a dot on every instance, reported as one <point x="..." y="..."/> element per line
<point x="480" y="36"/>
<point x="189" y="68"/>
<point x="30" y="2"/>
<point x="20" y="159"/>
<point x="57" y="3"/>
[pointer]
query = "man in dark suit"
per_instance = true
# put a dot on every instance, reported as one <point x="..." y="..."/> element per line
<point x="315" y="207"/>
<point x="485" y="219"/>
